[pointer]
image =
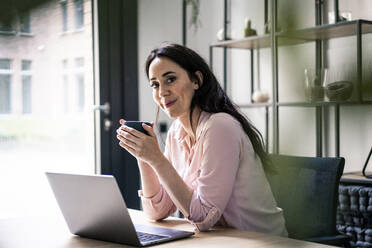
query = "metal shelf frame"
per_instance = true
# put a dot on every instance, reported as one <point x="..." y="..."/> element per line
<point x="318" y="34"/>
<point x="250" y="43"/>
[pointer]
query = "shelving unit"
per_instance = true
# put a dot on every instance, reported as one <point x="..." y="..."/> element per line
<point x="324" y="103"/>
<point x="317" y="34"/>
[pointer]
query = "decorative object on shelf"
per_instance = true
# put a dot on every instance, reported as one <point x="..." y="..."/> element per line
<point x="195" y="10"/>
<point x="227" y="34"/>
<point x="314" y="84"/>
<point x="342" y="16"/>
<point x="260" y="96"/>
<point x="220" y="35"/>
<point x="339" y="91"/>
<point x="248" y="30"/>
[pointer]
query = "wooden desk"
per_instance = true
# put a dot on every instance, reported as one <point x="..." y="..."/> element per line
<point x="53" y="233"/>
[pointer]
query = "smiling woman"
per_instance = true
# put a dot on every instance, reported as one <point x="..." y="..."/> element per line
<point x="173" y="90"/>
<point x="213" y="166"/>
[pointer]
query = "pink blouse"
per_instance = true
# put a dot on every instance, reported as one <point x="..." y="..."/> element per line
<point x="229" y="183"/>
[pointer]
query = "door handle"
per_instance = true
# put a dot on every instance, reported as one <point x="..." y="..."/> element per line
<point x="105" y="108"/>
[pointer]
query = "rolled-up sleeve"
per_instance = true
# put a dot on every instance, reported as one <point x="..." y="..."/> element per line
<point x="159" y="206"/>
<point x="219" y="164"/>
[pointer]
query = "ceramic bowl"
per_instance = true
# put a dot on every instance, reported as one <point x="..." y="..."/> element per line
<point x="339" y="91"/>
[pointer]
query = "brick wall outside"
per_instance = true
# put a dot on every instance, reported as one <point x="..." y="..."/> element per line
<point x="47" y="46"/>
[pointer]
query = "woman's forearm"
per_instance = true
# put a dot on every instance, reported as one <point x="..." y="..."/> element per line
<point x="149" y="179"/>
<point x="176" y="188"/>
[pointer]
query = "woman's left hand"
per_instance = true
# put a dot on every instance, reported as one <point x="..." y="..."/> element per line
<point x="141" y="146"/>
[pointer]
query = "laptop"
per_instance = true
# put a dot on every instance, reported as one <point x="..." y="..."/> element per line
<point x="93" y="207"/>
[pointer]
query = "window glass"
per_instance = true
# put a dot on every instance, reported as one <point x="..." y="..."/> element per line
<point x="5" y="25"/>
<point x="80" y="92"/>
<point x="26" y="65"/>
<point x="26" y="86"/>
<point x="4" y="93"/>
<point x="5" y="80"/>
<point x="46" y="99"/>
<point x="79" y="62"/>
<point x="25" y="25"/>
<point x="79" y="77"/>
<point x="64" y="15"/>
<point x="79" y="14"/>
<point x="26" y="94"/>
<point x="66" y="102"/>
<point x="5" y="64"/>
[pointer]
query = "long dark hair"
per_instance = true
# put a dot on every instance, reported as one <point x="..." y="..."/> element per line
<point x="210" y="97"/>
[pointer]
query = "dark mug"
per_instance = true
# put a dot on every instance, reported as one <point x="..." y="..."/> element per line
<point x="137" y="125"/>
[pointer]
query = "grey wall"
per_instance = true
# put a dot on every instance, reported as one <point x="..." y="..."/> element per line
<point x="161" y="20"/>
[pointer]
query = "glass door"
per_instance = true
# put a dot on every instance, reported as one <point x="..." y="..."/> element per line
<point x="46" y="99"/>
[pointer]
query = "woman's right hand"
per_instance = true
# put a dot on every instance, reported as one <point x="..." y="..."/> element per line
<point x="149" y="180"/>
<point x="141" y="146"/>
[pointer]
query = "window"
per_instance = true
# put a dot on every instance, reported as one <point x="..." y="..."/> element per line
<point x="79" y="14"/>
<point x="66" y="87"/>
<point x="6" y="25"/>
<point x="37" y="85"/>
<point x="26" y="87"/>
<point x="25" y="22"/>
<point x="5" y="64"/>
<point x="80" y="92"/>
<point x="26" y="65"/>
<point x="80" y="88"/>
<point x="79" y="63"/>
<point x="64" y="15"/>
<point x="5" y="80"/>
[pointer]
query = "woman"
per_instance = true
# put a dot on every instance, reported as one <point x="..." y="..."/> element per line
<point x="211" y="169"/>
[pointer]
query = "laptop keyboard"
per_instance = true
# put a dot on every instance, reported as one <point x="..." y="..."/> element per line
<point x="147" y="237"/>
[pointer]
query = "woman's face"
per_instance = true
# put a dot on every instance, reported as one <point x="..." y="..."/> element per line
<point x="172" y="89"/>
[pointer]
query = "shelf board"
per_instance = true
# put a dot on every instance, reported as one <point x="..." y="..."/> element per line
<point x="252" y="42"/>
<point x="328" y="31"/>
<point x="303" y="104"/>
<point x="255" y="105"/>
<point x="326" y="103"/>
<point x="322" y="32"/>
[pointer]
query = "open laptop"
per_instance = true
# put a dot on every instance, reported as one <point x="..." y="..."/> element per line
<point x="94" y="207"/>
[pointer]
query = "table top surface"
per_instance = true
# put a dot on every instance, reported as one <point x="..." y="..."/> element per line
<point x="356" y="178"/>
<point x="52" y="232"/>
